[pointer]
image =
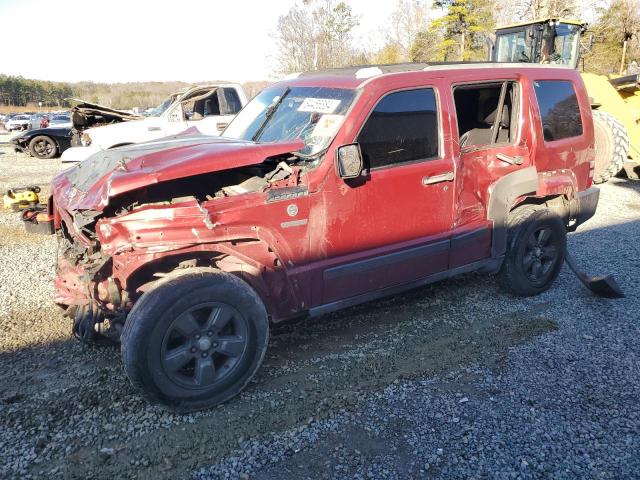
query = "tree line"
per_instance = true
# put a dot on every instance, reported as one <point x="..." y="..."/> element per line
<point x="21" y="92"/>
<point x="320" y="33"/>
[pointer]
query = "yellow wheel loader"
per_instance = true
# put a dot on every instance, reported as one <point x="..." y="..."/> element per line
<point x="615" y="100"/>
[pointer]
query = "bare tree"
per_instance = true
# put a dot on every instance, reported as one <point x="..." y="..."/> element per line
<point x="315" y="34"/>
<point x="526" y="10"/>
<point x="407" y="21"/>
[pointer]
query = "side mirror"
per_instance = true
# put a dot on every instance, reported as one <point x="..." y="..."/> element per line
<point x="349" y="161"/>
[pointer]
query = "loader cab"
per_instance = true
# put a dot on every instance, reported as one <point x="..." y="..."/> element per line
<point x="548" y="41"/>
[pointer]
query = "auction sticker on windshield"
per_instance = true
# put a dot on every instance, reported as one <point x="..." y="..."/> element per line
<point x="319" y="105"/>
<point x="327" y="126"/>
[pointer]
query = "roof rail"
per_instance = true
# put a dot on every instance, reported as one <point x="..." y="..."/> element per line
<point x="364" y="71"/>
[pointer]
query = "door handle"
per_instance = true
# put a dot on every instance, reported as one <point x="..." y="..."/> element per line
<point x="222" y="126"/>
<point x="444" y="177"/>
<point x="153" y="129"/>
<point x="517" y="160"/>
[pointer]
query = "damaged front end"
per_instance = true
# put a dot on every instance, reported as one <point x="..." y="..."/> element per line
<point x="126" y="219"/>
<point x="84" y="285"/>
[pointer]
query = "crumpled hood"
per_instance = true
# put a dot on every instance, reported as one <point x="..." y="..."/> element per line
<point x="84" y="114"/>
<point x="90" y="184"/>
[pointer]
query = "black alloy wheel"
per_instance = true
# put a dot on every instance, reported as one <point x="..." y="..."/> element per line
<point x="204" y="344"/>
<point x="540" y="256"/>
<point x="195" y="339"/>
<point x="536" y="241"/>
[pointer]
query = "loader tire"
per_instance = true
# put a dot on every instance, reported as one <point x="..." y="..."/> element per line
<point x="611" y="145"/>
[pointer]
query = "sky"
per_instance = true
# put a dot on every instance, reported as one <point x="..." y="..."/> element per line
<point x="153" y="40"/>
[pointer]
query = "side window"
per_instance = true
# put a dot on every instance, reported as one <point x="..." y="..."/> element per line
<point x="402" y="127"/>
<point x="558" y="108"/>
<point x="486" y="113"/>
<point x="230" y="102"/>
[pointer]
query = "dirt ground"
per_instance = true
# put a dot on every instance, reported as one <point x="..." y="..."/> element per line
<point x="69" y="412"/>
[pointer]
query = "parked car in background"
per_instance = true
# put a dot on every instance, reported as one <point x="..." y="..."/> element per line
<point x="209" y="108"/>
<point x="44" y="142"/>
<point x="59" y="119"/>
<point x="21" y="122"/>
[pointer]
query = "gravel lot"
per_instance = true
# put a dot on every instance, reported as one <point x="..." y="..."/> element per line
<point x="455" y="380"/>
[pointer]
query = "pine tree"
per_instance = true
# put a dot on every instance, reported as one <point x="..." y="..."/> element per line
<point x="465" y="25"/>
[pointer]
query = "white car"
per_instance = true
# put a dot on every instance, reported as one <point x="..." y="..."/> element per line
<point x="23" y="122"/>
<point x="209" y="108"/>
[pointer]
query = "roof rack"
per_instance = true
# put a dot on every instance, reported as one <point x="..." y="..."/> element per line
<point x="364" y="71"/>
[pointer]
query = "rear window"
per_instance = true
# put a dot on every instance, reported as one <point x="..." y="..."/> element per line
<point x="558" y="108"/>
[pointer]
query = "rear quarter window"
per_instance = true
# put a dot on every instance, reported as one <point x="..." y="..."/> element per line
<point x="559" y="109"/>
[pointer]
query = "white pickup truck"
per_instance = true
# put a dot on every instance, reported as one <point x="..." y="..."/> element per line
<point x="209" y="108"/>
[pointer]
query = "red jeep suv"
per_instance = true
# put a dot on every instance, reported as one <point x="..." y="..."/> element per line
<point x="327" y="190"/>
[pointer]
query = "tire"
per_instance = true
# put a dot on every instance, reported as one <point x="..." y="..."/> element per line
<point x="532" y="261"/>
<point x="43" y="147"/>
<point x="611" y="146"/>
<point x="171" y="355"/>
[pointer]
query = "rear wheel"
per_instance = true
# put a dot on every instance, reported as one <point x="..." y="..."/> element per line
<point x="195" y="340"/>
<point x="535" y="251"/>
<point x="43" y="147"/>
<point x="611" y="146"/>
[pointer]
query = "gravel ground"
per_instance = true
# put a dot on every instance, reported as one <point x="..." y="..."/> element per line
<point x="454" y="380"/>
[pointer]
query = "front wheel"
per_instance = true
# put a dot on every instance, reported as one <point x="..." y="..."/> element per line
<point x="537" y="239"/>
<point x="195" y="340"/>
<point x="43" y="147"/>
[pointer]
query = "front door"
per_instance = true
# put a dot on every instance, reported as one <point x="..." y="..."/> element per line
<point x="398" y="223"/>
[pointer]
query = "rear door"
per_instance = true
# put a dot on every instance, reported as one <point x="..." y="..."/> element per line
<point x="399" y="226"/>
<point x="490" y="146"/>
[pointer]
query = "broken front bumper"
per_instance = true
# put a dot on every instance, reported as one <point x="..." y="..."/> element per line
<point x="19" y="147"/>
<point x="72" y="285"/>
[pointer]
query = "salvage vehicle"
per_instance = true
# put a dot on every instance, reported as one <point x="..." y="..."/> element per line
<point x="23" y="122"/>
<point x="328" y="190"/>
<point x="209" y="108"/>
<point x="44" y="143"/>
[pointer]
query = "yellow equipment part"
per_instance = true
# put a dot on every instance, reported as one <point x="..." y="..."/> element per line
<point x="20" y="198"/>
<point x="624" y="106"/>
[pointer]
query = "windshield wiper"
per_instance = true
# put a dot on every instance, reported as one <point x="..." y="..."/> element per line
<point x="271" y="110"/>
<point x="309" y="156"/>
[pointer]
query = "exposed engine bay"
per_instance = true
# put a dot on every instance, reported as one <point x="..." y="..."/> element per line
<point x="100" y="316"/>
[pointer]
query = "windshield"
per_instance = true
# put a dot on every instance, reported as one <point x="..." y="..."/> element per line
<point x="312" y="114"/>
<point x="160" y="109"/>
<point x="511" y="47"/>
<point x="564" y="50"/>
